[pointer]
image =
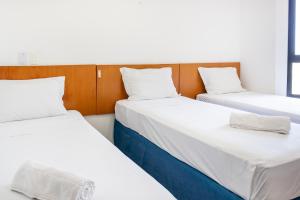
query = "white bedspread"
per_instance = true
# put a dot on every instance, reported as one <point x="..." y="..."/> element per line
<point x="71" y="144"/>
<point x="253" y="164"/>
<point x="265" y="104"/>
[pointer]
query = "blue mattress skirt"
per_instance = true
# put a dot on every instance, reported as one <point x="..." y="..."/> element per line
<point x="182" y="180"/>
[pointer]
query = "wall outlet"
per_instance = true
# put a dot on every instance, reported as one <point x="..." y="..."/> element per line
<point x="26" y="58"/>
<point x="22" y="58"/>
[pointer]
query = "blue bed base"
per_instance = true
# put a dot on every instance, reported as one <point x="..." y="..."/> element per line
<point x="182" y="180"/>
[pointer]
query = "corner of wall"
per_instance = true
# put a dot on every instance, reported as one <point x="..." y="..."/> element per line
<point x="281" y="46"/>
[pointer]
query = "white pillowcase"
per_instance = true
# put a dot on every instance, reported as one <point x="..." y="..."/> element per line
<point x="30" y="99"/>
<point x="142" y="84"/>
<point x="220" y="80"/>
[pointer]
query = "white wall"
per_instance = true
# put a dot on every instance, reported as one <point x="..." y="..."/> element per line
<point x="258" y="44"/>
<point x="119" y="31"/>
<point x="281" y="46"/>
<point x="264" y="25"/>
<point x="103" y="123"/>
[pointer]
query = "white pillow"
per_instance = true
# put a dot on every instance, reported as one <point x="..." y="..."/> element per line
<point x="30" y="99"/>
<point x="141" y="84"/>
<point x="220" y="80"/>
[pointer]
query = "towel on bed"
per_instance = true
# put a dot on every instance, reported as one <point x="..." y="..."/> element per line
<point x="278" y="124"/>
<point x="44" y="183"/>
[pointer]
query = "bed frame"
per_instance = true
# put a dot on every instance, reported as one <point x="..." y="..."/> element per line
<point x="186" y="78"/>
<point x="95" y="89"/>
<point x="80" y="83"/>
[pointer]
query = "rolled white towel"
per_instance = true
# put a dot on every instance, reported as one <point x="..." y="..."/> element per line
<point x="278" y="124"/>
<point x="45" y="183"/>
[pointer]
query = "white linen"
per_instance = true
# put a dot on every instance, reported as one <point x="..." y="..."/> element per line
<point x="253" y="164"/>
<point x="68" y="142"/>
<point x="41" y="182"/>
<point x="30" y="99"/>
<point x="264" y="104"/>
<point x="277" y="124"/>
<point x="148" y="83"/>
<point x="220" y="80"/>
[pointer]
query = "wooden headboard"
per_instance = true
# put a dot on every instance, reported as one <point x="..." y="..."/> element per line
<point x="110" y="86"/>
<point x="91" y="95"/>
<point x="191" y="83"/>
<point x="80" y="83"/>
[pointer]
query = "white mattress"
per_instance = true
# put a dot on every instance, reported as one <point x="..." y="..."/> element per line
<point x="265" y="104"/>
<point x="69" y="143"/>
<point x="253" y="164"/>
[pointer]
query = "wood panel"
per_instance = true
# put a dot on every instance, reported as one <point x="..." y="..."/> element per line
<point x="191" y="83"/>
<point x="80" y="82"/>
<point x="110" y="87"/>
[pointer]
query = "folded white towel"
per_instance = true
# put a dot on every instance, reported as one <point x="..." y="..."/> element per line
<point x="44" y="183"/>
<point x="278" y="124"/>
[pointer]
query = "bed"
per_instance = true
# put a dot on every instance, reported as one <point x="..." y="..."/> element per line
<point x="192" y="85"/>
<point x="188" y="146"/>
<point x="69" y="143"/>
<point x="266" y="104"/>
<point x="35" y="126"/>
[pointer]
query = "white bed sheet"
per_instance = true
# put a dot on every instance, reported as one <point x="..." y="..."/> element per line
<point x="265" y="104"/>
<point x="253" y="164"/>
<point x="69" y="143"/>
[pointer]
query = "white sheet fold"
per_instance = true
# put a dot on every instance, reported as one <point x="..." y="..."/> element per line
<point x="278" y="124"/>
<point x="45" y="183"/>
<point x="259" y="103"/>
